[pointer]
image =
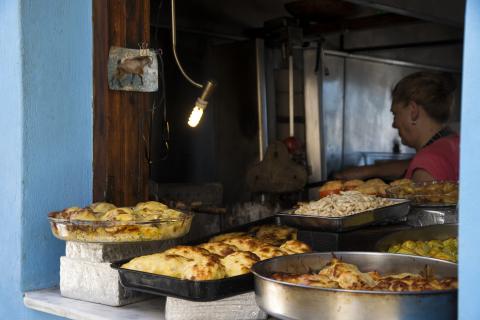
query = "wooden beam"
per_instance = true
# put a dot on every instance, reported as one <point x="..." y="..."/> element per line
<point x="120" y="168"/>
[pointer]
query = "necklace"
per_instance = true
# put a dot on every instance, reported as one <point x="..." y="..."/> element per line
<point x="444" y="132"/>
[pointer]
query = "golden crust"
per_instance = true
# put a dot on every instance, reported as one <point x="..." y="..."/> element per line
<point x="191" y="252"/>
<point x="352" y="184"/>
<point x="150" y="206"/>
<point x="118" y="214"/>
<point x="84" y="215"/>
<point x="244" y="243"/>
<point x="401" y="182"/>
<point x="203" y="265"/>
<point x="212" y="269"/>
<point x="226" y="236"/>
<point x="267" y="252"/>
<point x="101" y="207"/>
<point x="219" y="248"/>
<point x="295" y="246"/>
<point x="375" y="182"/>
<point x="239" y="263"/>
<point x="332" y="185"/>
<point x="159" y="263"/>
<point x="274" y="234"/>
<point x="337" y="274"/>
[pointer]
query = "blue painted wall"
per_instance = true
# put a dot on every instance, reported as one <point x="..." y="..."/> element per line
<point x="469" y="305"/>
<point x="46" y="142"/>
<point x="10" y="162"/>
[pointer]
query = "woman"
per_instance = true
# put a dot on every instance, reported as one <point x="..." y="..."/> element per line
<point x="421" y="105"/>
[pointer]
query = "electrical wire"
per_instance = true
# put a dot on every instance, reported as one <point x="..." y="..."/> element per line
<point x="174" y="47"/>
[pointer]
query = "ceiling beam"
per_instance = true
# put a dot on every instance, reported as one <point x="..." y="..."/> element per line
<point x="439" y="11"/>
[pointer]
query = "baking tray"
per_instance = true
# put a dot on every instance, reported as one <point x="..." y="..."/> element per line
<point x="285" y="300"/>
<point x="390" y="214"/>
<point x="437" y="232"/>
<point x="207" y="290"/>
<point x="120" y="231"/>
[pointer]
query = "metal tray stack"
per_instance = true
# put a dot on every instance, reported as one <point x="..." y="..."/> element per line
<point x="390" y="214"/>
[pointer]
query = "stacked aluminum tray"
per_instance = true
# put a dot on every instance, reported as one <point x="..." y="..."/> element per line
<point x="391" y="214"/>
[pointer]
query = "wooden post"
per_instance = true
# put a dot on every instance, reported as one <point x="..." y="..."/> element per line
<point x="120" y="168"/>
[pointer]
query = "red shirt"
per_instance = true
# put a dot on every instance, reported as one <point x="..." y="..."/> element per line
<point x="440" y="159"/>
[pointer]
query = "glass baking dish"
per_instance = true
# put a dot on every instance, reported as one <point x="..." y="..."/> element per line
<point x="120" y="231"/>
<point x="433" y="193"/>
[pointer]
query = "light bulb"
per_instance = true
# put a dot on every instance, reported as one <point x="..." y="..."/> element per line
<point x="195" y="116"/>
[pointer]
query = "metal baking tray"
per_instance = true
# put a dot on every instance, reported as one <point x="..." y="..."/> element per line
<point x="436" y="232"/>
<point x="284" y="300"/>
<point x="208" y="290"/>
<point x="390" y="214"/>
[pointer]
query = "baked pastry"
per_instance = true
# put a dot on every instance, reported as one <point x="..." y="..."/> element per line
<point x="226" y="236"/>
<point x="118" y="214"/>
<point x="101" y="207"/>
<point x="83" y="214"/>
<point x="150" y="206"/>
<point x="244" y="243"/>
<point x="401" y="182"/>
<point x="267" y="252"/>
<point x="160" y="263"/>
<point x="331" y="187"/>
<point x="239" y="263"/>
<point x="352" y="184"/>
<point x="219" y="248"/>
<point x="274" y="234"/>
<point x="190" y="252"/>
<point x="202" y="264"/>
<point x="295" y="246"/>
<point x="375" y="182"/>
<point x="211" y="269"/>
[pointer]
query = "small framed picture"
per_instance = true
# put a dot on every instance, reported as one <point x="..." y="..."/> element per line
<point x="132" y="69"/>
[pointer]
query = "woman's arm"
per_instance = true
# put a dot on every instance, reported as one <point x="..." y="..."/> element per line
<point x="392" y="170"/>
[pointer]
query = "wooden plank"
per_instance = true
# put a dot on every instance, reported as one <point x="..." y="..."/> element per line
<point x="101" y="98"/>
<point x="120" y="168"/>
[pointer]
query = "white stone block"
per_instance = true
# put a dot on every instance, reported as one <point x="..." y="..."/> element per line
<point x="99" y="252"/>
<point x="234" y="308"/>
<point x="94" y="282"/>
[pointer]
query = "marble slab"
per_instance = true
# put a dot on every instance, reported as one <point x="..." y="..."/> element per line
<point x="50" y="301"/>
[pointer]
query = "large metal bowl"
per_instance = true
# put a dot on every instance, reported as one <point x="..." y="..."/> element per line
<point x="436" y="232"/>
<point x="292" y="301"/>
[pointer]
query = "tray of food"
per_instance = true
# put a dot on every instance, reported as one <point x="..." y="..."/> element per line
<point x="440" y="242"/>
<point x="211" y="270"/>
<point x="356" y="285"/>
<point x="426" y="194"/>
<point x="346" y="211"/>
<point x="370" y="187"/>
<point x="104" y="222"/>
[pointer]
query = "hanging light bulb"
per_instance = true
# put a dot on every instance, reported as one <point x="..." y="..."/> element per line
<point x="200" y="104"/>
<point x="195" y="116"/>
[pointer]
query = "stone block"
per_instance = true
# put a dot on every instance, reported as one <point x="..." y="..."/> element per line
<point x="99" y="252"/>
<point x="94" y="282"/>
<point x="234" y="308"/>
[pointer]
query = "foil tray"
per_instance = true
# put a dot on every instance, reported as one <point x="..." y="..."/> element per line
<point x="391" y="214"/>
